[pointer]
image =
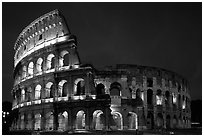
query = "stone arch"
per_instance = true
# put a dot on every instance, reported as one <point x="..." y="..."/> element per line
<point x="79" y="86"/>
<point x="22" y="95"/>
<point x="150" y="120"/>
<point x="38" y="91"/>
<point x="175" y="121"/>
<point x="50" y="62"/>
<point x="39" y="66"/>
<point x="168" y="121"/>
<point x="49" y="121"/>
<point x="118" y="120"/>
<point x="37" y="124"/>
<point x="63" y="121"/>
<point x="29" y="122"/>
<point x="80" y="120"/>
<point x="30" y="68"/>
<point x="159" y="97"/>
<point x="160" y="120"/>
<point x="115" y="89"/>
<point x="100" y="89"/>
<point x="24" y="72"/>
<point x="62" y="88"/>
<point x="132" y="120"/>
<point x="149" y="97"/>
<point x="22" y="121"/>
<point x="49" y="90"/>
<point x="98" y="120"/>
<point x="29" y="94"/>
<point x="64" y="58"/>
<point x="183" y="102"/>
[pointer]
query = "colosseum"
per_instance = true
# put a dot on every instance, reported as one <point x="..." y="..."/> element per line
<point x="54" y="91"/>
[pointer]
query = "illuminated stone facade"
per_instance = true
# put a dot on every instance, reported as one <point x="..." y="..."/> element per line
<point x="54" y="91"/>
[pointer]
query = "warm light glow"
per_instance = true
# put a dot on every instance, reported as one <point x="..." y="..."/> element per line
<point x="174" y="98"/>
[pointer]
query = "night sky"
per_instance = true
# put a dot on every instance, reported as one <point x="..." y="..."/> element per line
<point x="166" y="35"/>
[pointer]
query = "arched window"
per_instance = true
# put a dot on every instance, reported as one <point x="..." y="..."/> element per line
<point x="98" y="120"/>
<point x="64" y="58"/>
<point x="50" y="61"/>
<point x="49" y="121"/>
<point x="149" y="97"/>
<point x="115" y="89"/>
<point x="179" y="100"/>
<point x="62" y="88"/>
<point x="118" y="120"/>
<point x="79" y="87"/>
<point x="22" y="95"/>
<point x="22" y="123"/>
<point x="183" y="103"/>
<point x="100" y="89"/>
<point x="80" y="120"/>
<point x="37" y="91"/>
<point x="159" y="97"/>
<point x="63" y="121"/>
<point x="174" y="98"/>
<point x="39" y="65"/>
<point x="37" y="125"/>
<point x="49" y="90"/>
<point x="175" y="121"/>
<point x="29" y="94"/>
<point x="24" y="72"/>
<point x="150" y="120"/>
<point x="160" y="120"/>
<point x="30" y="69"/>
<point x="29" y="121"/>
<point x="132" y="120"/>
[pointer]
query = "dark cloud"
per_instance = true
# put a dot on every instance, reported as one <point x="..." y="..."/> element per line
<point x="167" y="35"/>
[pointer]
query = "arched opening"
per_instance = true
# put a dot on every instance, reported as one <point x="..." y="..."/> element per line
<point x="37" y="91"/>
<point x="167" y="98"/>
<point x="79" y="87"/>
<point x="149" y="97"/>
<point x="98" y="120"/>
<point x="159" y="97"/>
<point x="115" y="89"/>
<point x="100" y="89"/>
<point x="29" y="122"/>
<point x="39" y="65"/>
<point x="22" y="123"/>
<point x="80" y="120"/>
<point x="24" y="72"/>
<point x="63" y="121"/>
<point x="22" y="95"/>
<point x="150" y="121"/>
<point x="160" y="120"/>
<point x="30" y="69"/>
<point x="175" y="121"/>
<point x="64" y="58"/>
<point x="132" y="120"/>
<point x="50" y="61"/>
<point x="168" y="121"/>
<point x="49" y="90"/>
<point x="37" y="124"/>
<point x="62" y="88"/>
<point x="29" y="94"/>
<point x="117" y="121"/>
<point x="183" y="102"/>
<point x="49" y="121"/>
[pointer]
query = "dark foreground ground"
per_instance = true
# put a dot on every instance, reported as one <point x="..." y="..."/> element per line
<point x="194" y="131"/>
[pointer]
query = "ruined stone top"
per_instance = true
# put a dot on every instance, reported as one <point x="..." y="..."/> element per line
<point x="36" y="26"/>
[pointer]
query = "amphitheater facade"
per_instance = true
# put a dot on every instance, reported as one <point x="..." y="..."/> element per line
<point x="54" y="91"/>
